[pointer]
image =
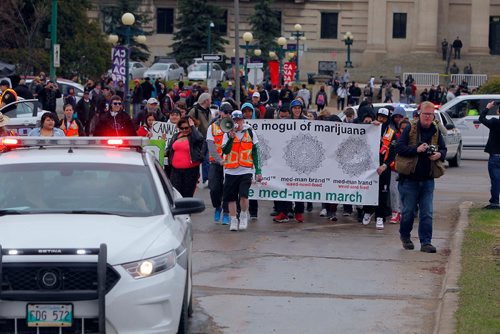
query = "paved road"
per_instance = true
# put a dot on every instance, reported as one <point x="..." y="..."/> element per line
<point x="323" y="277"/>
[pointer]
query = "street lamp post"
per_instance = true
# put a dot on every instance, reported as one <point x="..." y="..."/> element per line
<point x="348" y="38"/>
<point x="298" y="35"/>
<point x="128" y="20"/>
<point x="209" y="47"/>
<point x="247" y="37"/>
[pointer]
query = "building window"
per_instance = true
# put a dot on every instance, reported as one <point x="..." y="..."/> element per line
<point x="329" y="25"/>
<point x="164" y="20"/>
<point x="399" y="25"/>
<point x="222" y="28"/>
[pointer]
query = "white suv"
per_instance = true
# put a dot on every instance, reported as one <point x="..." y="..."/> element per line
<point x="93" y="239"/>
<point x="474" y="134"/>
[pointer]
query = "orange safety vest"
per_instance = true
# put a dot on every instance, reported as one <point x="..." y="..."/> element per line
<point x="72" y="131"/>
<point x="386" y="142"/>
<point x="241" y="152"/>
<point x="11" y="91"/>
<point x="218" y="136"/>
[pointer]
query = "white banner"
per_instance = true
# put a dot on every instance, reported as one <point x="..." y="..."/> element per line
<point x="317" y="161"/>
<point x="161" y="128"/>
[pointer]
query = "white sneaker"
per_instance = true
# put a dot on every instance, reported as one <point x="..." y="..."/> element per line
<point x="243" y="220"/>
<point x="234" y="224"/>
<point x="380" y="223"/>
<point x="366" y="218"/>
<point x="322" y="213"/>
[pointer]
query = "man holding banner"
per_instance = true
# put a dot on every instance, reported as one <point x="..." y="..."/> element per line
<point x="242" y="160"/>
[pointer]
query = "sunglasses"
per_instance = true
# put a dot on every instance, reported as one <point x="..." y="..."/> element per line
<point x="184" y="128"/>
<point x="117" y="103"/>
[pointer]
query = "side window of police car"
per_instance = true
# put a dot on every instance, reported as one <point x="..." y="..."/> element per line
<point x="459" y="110"/>
<point x="492" y="111"/>
<point x="165" y="183"/>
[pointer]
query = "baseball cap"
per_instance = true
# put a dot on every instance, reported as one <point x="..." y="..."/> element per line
<point x="153" y="101"/>
<point x="237" y="114"/>
<point x="383" y="111"/>
<point x="256" y="94"/>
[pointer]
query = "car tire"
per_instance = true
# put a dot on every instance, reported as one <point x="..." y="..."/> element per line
<point x="184" y="322"/>
<point x="457" y="159"/>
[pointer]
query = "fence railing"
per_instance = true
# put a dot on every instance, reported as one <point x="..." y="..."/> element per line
<point x="423" y="79"/>
<point x="473" y="80"/>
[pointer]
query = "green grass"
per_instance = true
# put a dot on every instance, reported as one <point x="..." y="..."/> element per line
<point x="479" y="298"/>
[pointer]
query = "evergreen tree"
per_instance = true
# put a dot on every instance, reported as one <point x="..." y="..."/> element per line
<point x="84" y="48"/>
<point x="265" y="28"/>
<point x="112" y="18"/>
<point x="191" y="37"/>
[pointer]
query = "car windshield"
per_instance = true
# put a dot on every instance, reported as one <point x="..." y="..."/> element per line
<point x="82" y="188"/>
<point x="159" y="67"/>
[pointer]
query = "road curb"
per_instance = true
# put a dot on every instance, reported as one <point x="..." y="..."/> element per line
<point x="448" y="297"/>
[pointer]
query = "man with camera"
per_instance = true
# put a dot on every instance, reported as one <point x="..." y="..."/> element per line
<point x="493" y="148"/>
<point x="242" y="160"/>
<point x="421" y="152"/>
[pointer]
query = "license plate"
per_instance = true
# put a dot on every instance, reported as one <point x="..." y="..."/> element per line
<point x="49" y="315"/>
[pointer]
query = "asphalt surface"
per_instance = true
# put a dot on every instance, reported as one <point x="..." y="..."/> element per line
<point x="324" y="277"/>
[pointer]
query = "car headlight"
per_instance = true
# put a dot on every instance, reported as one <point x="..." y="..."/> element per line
<point x="151" y="266"/>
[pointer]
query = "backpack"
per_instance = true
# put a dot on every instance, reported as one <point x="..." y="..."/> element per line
<point x="320" y="100"/>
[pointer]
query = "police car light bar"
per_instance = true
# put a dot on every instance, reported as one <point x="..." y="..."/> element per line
<point x="13" y="142"/>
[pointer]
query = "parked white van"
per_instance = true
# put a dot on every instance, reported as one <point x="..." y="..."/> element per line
<point x="465" y="110"/>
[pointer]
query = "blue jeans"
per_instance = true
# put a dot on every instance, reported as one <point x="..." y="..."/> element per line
<point x="204" y="167"/>
<point x="415" y="193"/>
<point x="494" y="171"/>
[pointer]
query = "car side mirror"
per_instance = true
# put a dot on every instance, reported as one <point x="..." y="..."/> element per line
<point x="449" y="126"/>
<point x="188" y="205"/>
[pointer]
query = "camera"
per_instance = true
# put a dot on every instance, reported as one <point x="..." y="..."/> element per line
<point x="431" y="149"/>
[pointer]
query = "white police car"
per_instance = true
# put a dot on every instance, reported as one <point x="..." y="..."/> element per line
<point x="93" y="238"/>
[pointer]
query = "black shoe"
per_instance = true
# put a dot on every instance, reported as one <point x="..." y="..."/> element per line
<point x="407" y="243"/>
<point x="428" y="248"/>
<point x="491" y="207"/>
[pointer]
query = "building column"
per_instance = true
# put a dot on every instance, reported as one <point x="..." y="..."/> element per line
<point x="376" y="41"/>
<point x="479" y="27"/>
<point x="427" y="26"/>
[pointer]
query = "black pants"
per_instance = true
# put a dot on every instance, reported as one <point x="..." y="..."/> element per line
<point x="184" y="180"/>
<point x="457" y="53"/>
<point x="383" y="196"/>
<point x="445" y="53"/>
<point x="286" y="207"/>
<point x="216" y="186"/>
<point x="253" y="207"/>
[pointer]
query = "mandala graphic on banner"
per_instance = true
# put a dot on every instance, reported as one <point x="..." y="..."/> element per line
<point x="304" y="153"/>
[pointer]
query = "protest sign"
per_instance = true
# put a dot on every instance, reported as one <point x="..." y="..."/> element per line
<point x="163" y="128"/>
<point x="317" y="161"/>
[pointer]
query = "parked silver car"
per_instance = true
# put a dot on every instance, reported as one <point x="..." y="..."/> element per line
<point x="199" y="72"/>
<point x="24" y="115"/>
<point x="165" y="71"/>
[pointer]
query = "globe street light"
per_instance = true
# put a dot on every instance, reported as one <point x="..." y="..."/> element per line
<point x="298" y="35"/>
<point x="348" y="38"/>
<point x="128" y="20"/>
<point x="248" y="38"/>
<point x="281" y="43"/>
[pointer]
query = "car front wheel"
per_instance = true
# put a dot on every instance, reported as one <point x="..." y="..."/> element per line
<point x="183" y="322"/>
